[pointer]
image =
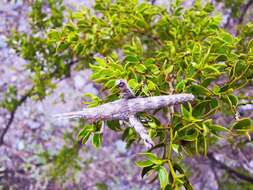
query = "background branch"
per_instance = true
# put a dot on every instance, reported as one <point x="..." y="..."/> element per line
<point x="20" y="102"/>
<point x="153" y="2"/>
<point x="229" y="170"/>
<point x="23" y="99"/>
<point x="244" y="11"/>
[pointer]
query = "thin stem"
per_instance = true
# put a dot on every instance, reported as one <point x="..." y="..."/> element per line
<point x="170" y="145"/>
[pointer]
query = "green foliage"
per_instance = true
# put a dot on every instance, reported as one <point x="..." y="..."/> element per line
<point x="154" y="44"/>
<point x="85" y="133"/>
<point x="41" y="19"/>
<point x="10" y="101"/>
<point x="67" y="158"/>
<point x="157" y="51"/>
<point x="43" y="62"/>
<point x="233" y="5"/>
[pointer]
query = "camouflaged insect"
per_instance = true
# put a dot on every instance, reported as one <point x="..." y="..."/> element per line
<point x="127" y="107"/>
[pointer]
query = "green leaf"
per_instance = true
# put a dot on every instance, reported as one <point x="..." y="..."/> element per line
<point x="200" y="109"/>
<point x="233" y="99"/>
<point x="141" y="22"/>
<point x="169" y="69"/>
<point x="131" y="59"/>
<point x="145" y="170"/>
<point x="144" y="163"/>
<point x="169" y="187"/>
<point x="205" y="129"/>
<point x="151" y="85"/>
<point x="179" y="169"/>
<point x="217" y="128"/>
<point x="227" y="37"/>
<point x="175" y="147"/>
<point x="62" y="46"/>
<point x="140" y="68"/>
<point x="70" y="27"/>
<point x="242" y="124"/>
<point x="154" y="69"/>
<point x="207" y="80"/>
<point x="142" y="7"/>
<point x="97" y="140"/>
<point x="101" y="61"/>
<point x="109" y="84"/>
<point x="216" y="89"/>
<point x="79" y="48"/>
<point x="250" y="44"/>
<point x="152" y="157"/>
<point x="163" y="177"/>
<point x="190" y="135"/>
<point x="86" y="129"/>
<point x="84" y="134"/>
<point x="149" y="61"/>
<point x="186" y="114"/>
<point x="85" y="138"/>
<point x="180" y="86"/>
<point x="113" y="125"/>
<point x="211" y="70"/>
<point x="129" y="135"/>
<point x="133" y="84"/>
<point x="54" y="35"/>
<point x="239" y="68"/>
<point x="199" y="90"/>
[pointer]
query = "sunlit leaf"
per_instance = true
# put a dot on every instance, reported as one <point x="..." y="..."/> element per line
<point x="163" y="177"/>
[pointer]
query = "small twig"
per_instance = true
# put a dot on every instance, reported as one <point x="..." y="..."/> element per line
<point x="170" y="80"/>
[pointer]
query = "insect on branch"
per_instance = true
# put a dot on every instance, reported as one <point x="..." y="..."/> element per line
<point x="127" y="107"/>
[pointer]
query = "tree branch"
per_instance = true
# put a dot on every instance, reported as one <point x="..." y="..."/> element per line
<point x="22" y="100"/>
<point x="230" y="171"/>
<point x="153" y="2"/>
<point x="228" y="20"/>
<point x="244" y="11"/>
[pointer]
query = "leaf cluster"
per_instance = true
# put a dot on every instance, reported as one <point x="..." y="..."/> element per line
<point x="159" y="52"/>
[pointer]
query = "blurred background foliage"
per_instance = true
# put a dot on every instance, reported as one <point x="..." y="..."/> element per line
<point x="205" y="48"/>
